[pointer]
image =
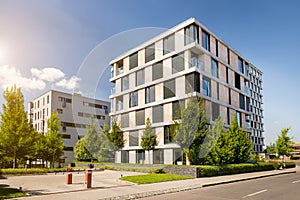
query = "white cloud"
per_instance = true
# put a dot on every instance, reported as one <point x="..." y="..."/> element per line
<point x="71" y="84"/>
<point x="10" y="75"/>
<point x="47" y="74"/>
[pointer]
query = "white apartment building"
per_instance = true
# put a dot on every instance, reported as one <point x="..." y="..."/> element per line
<point x="152" y="80"/>
<point x="74" y="112"/>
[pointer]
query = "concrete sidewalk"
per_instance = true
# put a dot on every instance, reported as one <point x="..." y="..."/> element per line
<point x="107" y="186"/>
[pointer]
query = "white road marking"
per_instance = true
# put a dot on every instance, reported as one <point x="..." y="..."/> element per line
<point x="255" y="193"/>
<point x="296" y="181"/>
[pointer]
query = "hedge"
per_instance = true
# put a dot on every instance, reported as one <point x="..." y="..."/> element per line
<point x="207" y="171"/>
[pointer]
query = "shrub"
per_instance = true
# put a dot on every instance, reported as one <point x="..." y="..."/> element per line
<point x="159" y="171"/>
<point x="206" y="171"/>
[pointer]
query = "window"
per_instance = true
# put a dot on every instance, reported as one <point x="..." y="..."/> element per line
<point x="43" y="101"/>
<point x="125" y="83"/>
<point x="157" y="71"/>
<point x="125" y="156"/>
<point x="218" y="91"/>
<point x="169" y="89"/>
<point x="192" y="83"/>
<point x="133" y="60"/>
<point x="158" y="113"/>
<point x="125" y="120"/>
<point x="242" y="102"/>
<point x="169" y="44"/>
<point x="205" y="40"/>
<point x="228" y="115"/>
<point x="195" y="62"/>
<point x="176" y="109"/>
<point x="237" y="80"/>
<point x="47" y="99"/>
<point x="227" y="75"/>
<point x="246" y="69"/>
<point x="150" y="94"/>
<point x="214" y="68"/>
<point x="228" y="56"/>
<point x="168" y="134"/>
<point x="239" y="118"/>
<point x="133" y="138"/>
<point x="240" y="65"/>
<point x="247" y="104"/>
<point x="191" y="34"/>
<point x="38" y="104"/>
<point x="59" y="111"/>
<point x="140" y="117"/>
<point x="158" y="156"/>
<point x="140" y="77"/>
<point x="133" y="99"/>
<point x="150" y="53"/>
<point x="177" y="63"/>
<point x="119" y="101"/>
<point x="140" y="156"/>
<point x="215" y="110"/>
<point x="229" y="95"/>
<point x="119" y="67"/>
<point x="206" y="86"/>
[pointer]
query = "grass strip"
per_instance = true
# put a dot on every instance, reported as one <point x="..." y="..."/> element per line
<point x="154" y="178"/>
<point x="6" y="193"/>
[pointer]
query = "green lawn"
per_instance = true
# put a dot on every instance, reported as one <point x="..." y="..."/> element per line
<point x="6" y="193"/>
<point x="154" y="178"/>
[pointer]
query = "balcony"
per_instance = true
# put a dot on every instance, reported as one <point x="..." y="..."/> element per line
<point x="112" y="90"/>
<point x="195" y="62"/>
<point x="119" y="70"/>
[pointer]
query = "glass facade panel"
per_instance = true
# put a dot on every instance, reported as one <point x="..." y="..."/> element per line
<point x="157" y="71"/>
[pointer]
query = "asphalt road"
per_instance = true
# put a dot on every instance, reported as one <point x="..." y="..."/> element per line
<point x="274" y="188"/>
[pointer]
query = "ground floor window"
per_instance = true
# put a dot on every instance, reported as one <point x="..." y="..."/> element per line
<point x="124" y="156"/>
<point x="158" y="156"/>
<point x="140" y="156"/>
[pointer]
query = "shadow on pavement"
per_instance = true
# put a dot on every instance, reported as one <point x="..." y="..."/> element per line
<point x="2" y="177"/>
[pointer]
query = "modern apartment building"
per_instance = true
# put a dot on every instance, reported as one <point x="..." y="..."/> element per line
<point x="153" y="79"/>
<point x="74" y="112"/>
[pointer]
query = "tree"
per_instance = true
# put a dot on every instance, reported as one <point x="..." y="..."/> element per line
<point x="233" y="146"/>
<point x="14" y="135"/>
<point x="271" y="149"/>
<point x="284" y="143"/>
<point x="189" y="129"/>
<point x="54" y="142"/>
<point x="115" y="134"/>
<point x="81" y="152"/>
<point x="149" y="139"/>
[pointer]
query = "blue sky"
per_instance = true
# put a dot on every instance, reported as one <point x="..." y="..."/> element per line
<point x="44" y="43"/>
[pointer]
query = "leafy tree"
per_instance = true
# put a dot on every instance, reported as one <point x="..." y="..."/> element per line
<point x="115" y="135"/>
<point x="284" y="143"/>
<point x="190" y="130"/>
<point x="97" y="144"/>
<point x="233" y="146"/>
<point x="81" y="152"/>
<point x="149" y="139"/>
<point x="54" y="142"/>
<point x="271" y="149"/>
<point x="14" y="136"/>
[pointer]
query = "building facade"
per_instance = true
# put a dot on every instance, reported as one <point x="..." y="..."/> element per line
<point x="74" y="112"/>
<point x="154" y="79"/>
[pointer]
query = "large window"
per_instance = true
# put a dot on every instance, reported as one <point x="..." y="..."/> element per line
<point x="133" y="138"/>
<point x="242" y="102"/>
<point x="150" y="53"/>
<point x="158" y="156"/>
<point x="140" y="117"/>
<point x="133" y="99"/>
<point x="214" y="68"/>
<point x="240" y="65"/>
<point x="177" y="63"/>
<point x="158" y="113"/>
<point x="176" y="109"/>
<point x="169" y="44"/>
<point x="191" y="34"/>
<point x="150" y="94"/>
<point x="192" y="83"/>
<point x="215" y="110"/>
<point x="205" y="40"/>
<point x="169" y="89"/>
<point x="119" y="103"/>
<point x="125" y="83"/>
<point x="246" y="69"/>
<point x="237" y="80"/>
<point x="157" y="71"/>
<point x="239" y="118"/>
<point x="140" y="77"/>
<point x="206" y="86"/>
<point x="247" y="104"/>
<point x="168" y="134"/>
<point x="133" y="60"/>
<point x="125" y="120"/>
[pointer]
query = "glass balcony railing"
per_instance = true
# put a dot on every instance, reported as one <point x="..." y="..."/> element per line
<point x="113" y="90"/>
<point x="119" y="70"/>
<point x="195" y="62"/>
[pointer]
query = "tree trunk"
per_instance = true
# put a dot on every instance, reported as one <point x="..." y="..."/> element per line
<point x="187" y="160"/>
<point x="148" y="156"/>
<point x="15" y="160"/>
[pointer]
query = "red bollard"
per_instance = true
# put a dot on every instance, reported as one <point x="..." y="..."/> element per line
<point x="69" y="178"/>
<point x="88" y="178"/>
